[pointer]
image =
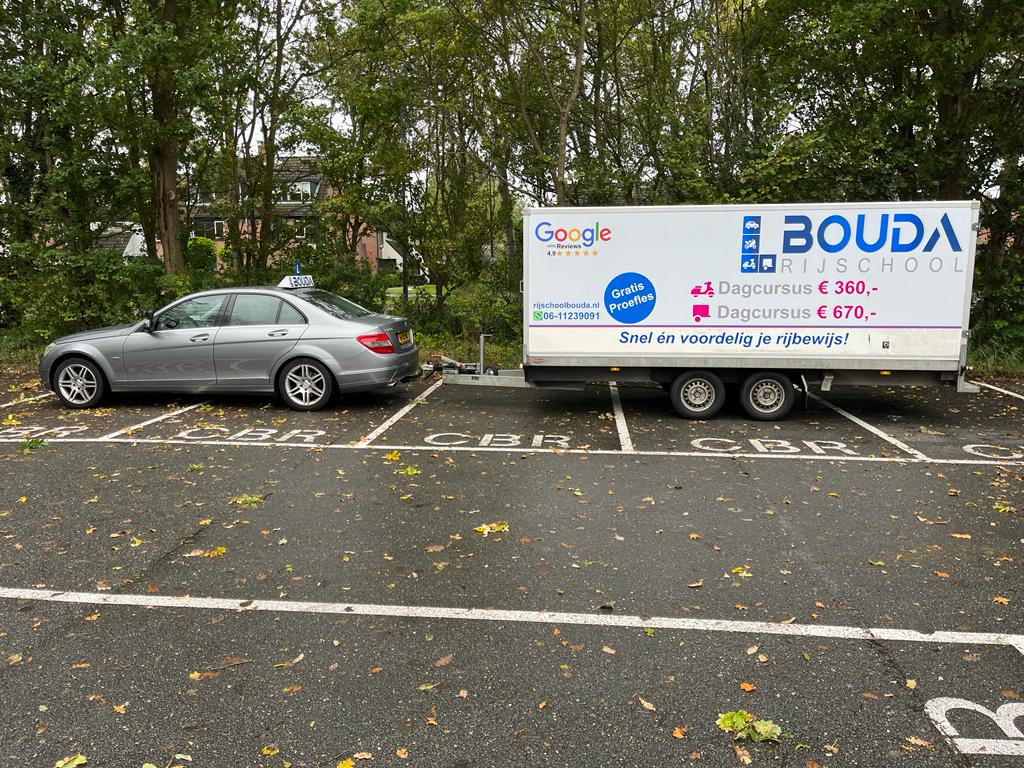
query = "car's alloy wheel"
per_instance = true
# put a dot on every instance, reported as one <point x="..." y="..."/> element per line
<point x="79" y="383"/>
<point x="305" y="385"/>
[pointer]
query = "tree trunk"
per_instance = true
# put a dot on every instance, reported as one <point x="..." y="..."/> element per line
<point x="164" y="164"/>
<point x="163" y="155"/>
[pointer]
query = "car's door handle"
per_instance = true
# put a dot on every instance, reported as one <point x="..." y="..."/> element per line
<point x="279" y="332"/>
<point x="200" y="337"/>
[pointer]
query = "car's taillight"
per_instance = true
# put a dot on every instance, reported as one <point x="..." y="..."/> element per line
<point x="377" y="342"/>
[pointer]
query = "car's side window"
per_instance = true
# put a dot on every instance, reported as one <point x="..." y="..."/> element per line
<point x="200" y="312"/>
<point x="254" y="309"/>
<point x="290" y="315"/>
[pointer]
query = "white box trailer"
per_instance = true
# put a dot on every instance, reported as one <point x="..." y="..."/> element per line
<point x="763" y="296"/>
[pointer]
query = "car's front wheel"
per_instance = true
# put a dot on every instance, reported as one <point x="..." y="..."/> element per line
<point x="78" y="383"/>
<point x="305" y="385"/>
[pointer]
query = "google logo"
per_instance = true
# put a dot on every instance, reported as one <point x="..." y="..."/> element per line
<point x="587" y="236"/>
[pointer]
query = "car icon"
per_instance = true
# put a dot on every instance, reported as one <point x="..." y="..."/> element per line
<point x="751" y="225"/>
<point x="301" y="343"/>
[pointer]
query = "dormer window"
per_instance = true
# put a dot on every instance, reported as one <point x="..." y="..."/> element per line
<point x="299" y="192"/>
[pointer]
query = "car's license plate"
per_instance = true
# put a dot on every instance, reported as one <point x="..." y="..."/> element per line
<point x="403" y="337"/>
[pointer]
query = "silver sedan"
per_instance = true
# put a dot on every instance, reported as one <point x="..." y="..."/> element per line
<point x="302" y="343"/>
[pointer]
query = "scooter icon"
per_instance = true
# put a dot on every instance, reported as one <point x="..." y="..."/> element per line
<point x="703" y="290"/>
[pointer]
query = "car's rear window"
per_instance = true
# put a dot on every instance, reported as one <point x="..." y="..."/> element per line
<point x="333" y="304"/>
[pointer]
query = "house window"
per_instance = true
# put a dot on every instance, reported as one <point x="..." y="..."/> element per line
<point x="219" y="228"/>
<point x="299" y="192"/>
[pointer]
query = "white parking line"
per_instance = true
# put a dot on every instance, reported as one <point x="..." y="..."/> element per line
<point x="426" y="448"/>
<point x="22" y="400"/>
<point x="140" y="425"/>
<point x="395" y="419"/>
<point x="1018" y="395"/>
<point x="620" y="420"/>
<point x="872" y="429"/>
<point x="526" y="617"/>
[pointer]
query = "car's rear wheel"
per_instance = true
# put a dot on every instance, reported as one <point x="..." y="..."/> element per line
<point x="697" y="395"/>
<point x="305" y="385"/>
<point x="78" y="383"/>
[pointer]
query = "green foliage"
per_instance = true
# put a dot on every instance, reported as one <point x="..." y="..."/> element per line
<point x="340" y="271"/>
<point x="201" y="255"/>
<point x="62" y="292"/>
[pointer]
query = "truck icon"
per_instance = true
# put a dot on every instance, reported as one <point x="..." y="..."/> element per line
<point x="701" y="311"/>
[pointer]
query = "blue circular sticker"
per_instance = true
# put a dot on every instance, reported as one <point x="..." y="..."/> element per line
<point x="629" y="297"/>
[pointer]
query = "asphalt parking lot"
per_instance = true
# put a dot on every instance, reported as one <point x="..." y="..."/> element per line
<point x="456" y="576"/>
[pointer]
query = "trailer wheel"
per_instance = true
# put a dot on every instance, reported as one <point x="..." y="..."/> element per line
<point x="697" y="395"/>
<point x="491" y="370"/>
<point x="767" y="396"/>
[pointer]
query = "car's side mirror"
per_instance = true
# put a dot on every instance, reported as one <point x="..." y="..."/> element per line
<point x="149" y="323"/>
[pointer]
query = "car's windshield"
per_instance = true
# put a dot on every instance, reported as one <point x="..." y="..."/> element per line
<point x="334" y="304"/>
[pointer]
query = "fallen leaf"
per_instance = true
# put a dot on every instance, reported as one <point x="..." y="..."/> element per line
<point x="270" y="751"/>
<point x="919" y="742"/>
<point x="941" y="574"/>
<point x="911" y="683"/>
<point x="953" y="492"/>
<point x="751" y="650"/>
<point x="1001" y="600"/>
<point x="463" y="693"/>
<point x="543" y="703"/>
<point x="348" y="762"/>
<point x="960" y="535"/>
<point x="748" y="687"/>
<point x="444" y="660"/>
<point x="742" y="754"/>
<point x="72" y="761"/>
<point x="119" y="709"/>
<point x="696" y="584"/>
<point x="363" y="756"/>
<point x="679" y="732"/>
<point x="427" y="686"/>
<point x="647" y="705"/>
<point x="608" y="649"/>
<point x="489" y="528"/>
<point x="402" y="753"/>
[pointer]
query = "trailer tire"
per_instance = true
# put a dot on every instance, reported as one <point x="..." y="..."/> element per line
<point x="491" y="370"/>
<point x="767" y="396"/>
<point x="697" y="395"/>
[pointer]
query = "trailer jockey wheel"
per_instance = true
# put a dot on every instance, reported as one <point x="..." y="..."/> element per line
<point x="767" y="396"/>
<point x="697" y="395"/>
